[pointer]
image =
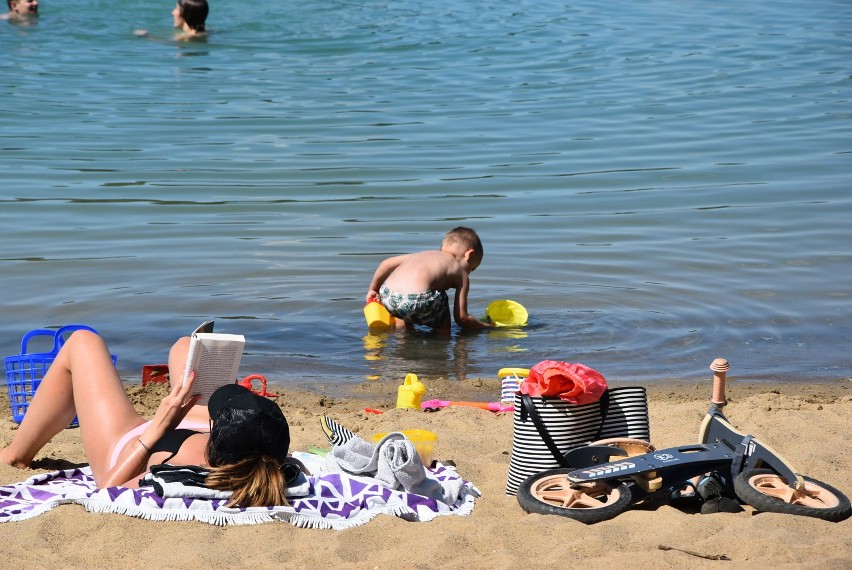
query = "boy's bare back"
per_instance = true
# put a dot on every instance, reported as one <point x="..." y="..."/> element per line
<point x="425" y="271"/>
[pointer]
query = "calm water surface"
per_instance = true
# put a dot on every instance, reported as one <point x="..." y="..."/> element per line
<point x="658" y="183"/>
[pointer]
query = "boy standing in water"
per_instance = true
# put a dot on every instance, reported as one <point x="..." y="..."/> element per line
<point x="413" y="287"/>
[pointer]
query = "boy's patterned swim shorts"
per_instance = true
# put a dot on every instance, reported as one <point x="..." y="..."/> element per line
<point x="431" y="308"/>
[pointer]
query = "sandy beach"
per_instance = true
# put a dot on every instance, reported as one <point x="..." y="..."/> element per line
<point x="807" y="423"/>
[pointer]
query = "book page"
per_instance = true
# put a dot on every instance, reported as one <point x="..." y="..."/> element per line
<point x="215" y="358"/>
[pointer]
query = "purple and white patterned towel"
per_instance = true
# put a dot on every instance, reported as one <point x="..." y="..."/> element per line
<point x="336" y="501"/>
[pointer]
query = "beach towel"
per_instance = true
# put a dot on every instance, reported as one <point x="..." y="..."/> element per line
<point x="333" y="501"/>
<point x="190" y="481"/>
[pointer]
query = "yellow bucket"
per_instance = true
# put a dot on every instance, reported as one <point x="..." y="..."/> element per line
<point x="506" y="313"/>
<point x="378" y="318"/>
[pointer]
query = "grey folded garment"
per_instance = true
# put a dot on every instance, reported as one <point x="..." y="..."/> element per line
<point x="394" y="462"/>
<point x="403" y="461"/>
<point x="359" y="457"/>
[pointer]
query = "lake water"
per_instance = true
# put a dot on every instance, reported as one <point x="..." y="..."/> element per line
<point x="659" y="183"/>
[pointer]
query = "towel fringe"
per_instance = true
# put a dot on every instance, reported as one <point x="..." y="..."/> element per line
<point x="76" y="486"/>
<point x="214" y="518"/>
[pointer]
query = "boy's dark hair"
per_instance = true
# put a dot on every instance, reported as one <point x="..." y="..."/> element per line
<point x="194" y="13"/>
<point x="465" y="237"/>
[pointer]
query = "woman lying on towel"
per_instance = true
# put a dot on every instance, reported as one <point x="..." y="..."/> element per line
<point x="242" y="437"/>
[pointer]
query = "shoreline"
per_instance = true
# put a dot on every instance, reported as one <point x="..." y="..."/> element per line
<point x="488" y="388"/>
<point x="807" y="423"/>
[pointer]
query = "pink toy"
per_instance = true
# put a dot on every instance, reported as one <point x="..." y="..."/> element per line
<point x="435" y="405"/>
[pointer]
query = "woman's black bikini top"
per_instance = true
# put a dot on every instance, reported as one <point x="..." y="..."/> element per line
<point x="172" y="442"/>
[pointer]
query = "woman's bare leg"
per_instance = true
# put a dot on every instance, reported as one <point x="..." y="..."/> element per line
<point x="81" y="381"/>
<point x="177" y="360"/>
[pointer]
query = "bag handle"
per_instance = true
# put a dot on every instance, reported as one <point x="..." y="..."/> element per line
<point x="604" y="403"/>
<point x="528" y="408"/>
<point x="38" y="332"/>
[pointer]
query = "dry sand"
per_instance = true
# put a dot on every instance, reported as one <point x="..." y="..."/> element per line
<point x="808" y="423"/>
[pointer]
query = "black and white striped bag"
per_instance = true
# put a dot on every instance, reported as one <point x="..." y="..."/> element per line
<point x="621" y="412"/>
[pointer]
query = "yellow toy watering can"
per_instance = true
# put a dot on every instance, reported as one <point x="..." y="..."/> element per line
<point x="410" y="393"/>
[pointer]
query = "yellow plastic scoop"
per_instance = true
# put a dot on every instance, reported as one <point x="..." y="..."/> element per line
<point x="506" y="313"/>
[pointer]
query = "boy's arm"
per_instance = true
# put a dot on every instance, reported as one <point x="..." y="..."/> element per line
<point x="464" y="319"/>
<point x="383" y="271"/>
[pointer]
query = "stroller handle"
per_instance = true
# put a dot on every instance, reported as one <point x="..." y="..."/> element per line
<point x="720" y="369"/>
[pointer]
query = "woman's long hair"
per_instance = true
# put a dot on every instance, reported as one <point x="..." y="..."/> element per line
<point x="194" y="13"/>
<point x="256" y="481"/>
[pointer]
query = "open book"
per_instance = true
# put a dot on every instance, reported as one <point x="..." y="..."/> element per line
<point x="215" y="358"/>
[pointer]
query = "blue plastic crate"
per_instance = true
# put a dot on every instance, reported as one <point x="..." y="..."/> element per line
<point x="25" y="371"/>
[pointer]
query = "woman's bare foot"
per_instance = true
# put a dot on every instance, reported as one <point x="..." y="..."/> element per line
<point x="7" y="459"/>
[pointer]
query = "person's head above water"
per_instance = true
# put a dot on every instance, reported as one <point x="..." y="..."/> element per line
<point x="22" y="8"/>
<point x="190" y="15"/>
